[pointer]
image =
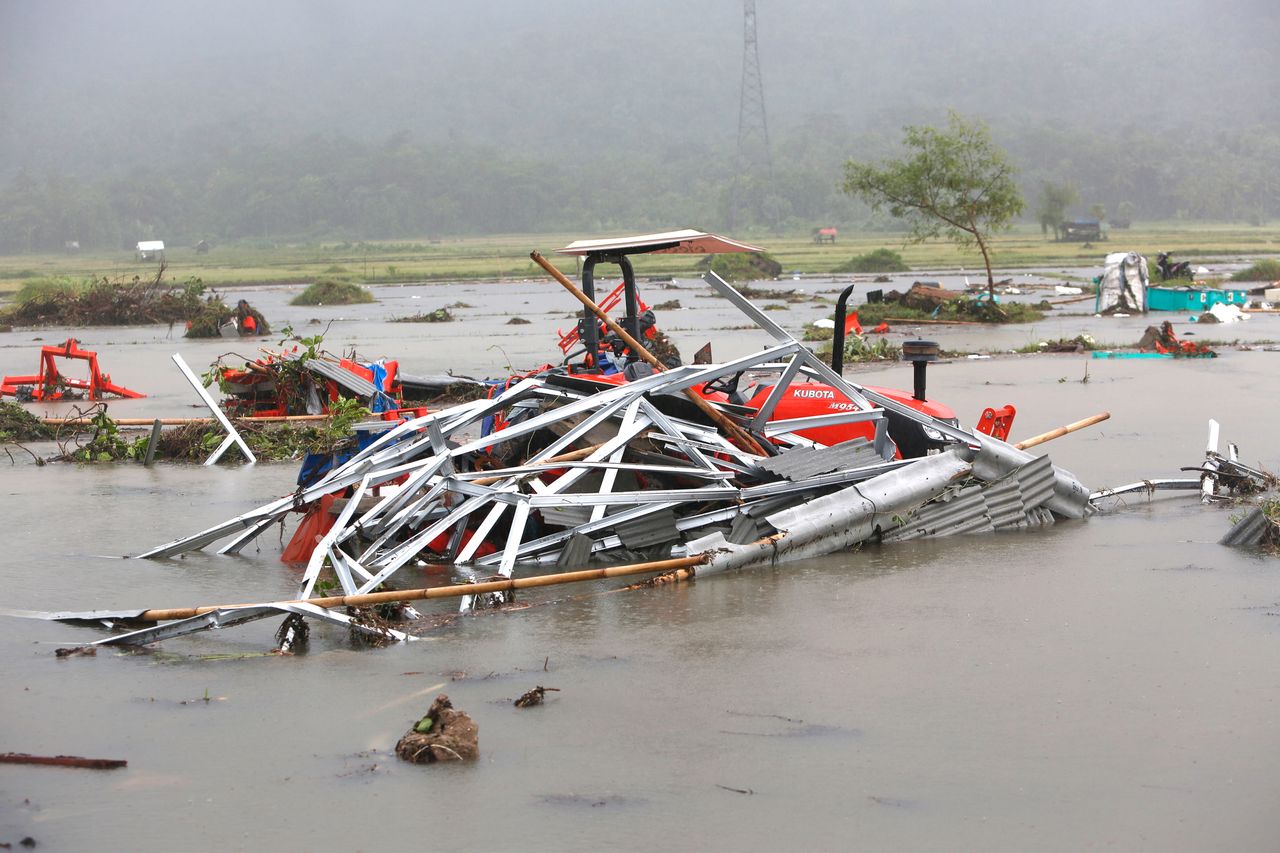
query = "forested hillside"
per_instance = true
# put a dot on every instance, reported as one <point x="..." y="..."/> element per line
<point x="240" y="121"/>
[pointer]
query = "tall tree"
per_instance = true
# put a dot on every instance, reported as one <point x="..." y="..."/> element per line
<point x="1054" y="201"/>
<point x="953" y="183"/>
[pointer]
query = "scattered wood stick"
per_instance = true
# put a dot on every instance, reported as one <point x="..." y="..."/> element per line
<point x="1061" y="431"/>
<point x="62" y="761"/>
<point x="450" y="591"/>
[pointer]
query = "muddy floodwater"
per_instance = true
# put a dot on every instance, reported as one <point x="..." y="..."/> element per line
<point x="1105" y="684"/>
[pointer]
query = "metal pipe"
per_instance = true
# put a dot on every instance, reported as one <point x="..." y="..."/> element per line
<point x="837" y="341"/>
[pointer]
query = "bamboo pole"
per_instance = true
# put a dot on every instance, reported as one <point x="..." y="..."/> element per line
<point x="719" y="418"/>
<point x="452" y="591"/>
<point x="1061" y="431"/>
<point x="133" y="422"/>
<point x="571" y="456"/>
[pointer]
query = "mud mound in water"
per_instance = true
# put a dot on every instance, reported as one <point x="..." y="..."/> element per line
<point x="444" y="734"/>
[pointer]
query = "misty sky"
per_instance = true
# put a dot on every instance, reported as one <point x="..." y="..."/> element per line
<point x="88" y="84"/>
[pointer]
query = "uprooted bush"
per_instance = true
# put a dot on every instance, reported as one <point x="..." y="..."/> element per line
<point x="440" y="315"/>
<point x="332" y="291"/>
<point x="17" y="424"/>
<point x="103" y="441"/>
<point x="62" y="301"/>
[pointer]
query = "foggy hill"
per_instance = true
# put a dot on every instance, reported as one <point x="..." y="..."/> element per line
<point x="92" y="91"/>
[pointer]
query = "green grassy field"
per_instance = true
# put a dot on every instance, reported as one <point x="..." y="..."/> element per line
<point x="507" y="256"/>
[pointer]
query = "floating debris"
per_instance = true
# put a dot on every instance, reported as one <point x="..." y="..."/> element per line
<point x="534" y="696"/>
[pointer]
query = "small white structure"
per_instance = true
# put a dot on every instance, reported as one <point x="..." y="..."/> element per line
<point x="150" y="250"/>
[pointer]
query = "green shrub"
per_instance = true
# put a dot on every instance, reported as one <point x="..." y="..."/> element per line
<point x="50" y="287"/>
<point x="1266" y="270"/>
<point x="880" y="260"/>
<point x="331" y="291"/>
<point x="744" y="266"/>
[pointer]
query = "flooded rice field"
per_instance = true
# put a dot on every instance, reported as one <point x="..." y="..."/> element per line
<point x="1109" y="683"/>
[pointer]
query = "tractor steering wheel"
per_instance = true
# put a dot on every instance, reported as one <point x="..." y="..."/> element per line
<point x="727" y="385"/>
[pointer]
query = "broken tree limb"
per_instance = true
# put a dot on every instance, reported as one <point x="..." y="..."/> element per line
<point x="719" y="418"/>
<point x="452" y="591"/>
<point x="62" y="761"/>
<point x="1061" y="431"/>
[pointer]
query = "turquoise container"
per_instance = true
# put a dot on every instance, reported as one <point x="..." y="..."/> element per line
<point x="1192" y="298"/>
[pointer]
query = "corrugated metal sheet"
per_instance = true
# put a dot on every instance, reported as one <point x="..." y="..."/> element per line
<point x="575" y="553"/>
<point x="803" y="462"/>
<point x="1248" y="531"/>
<point x="1011" y="502"/>
<point x="965" y="511"/>
<point x="744" y="529"/>
<point x="651" y="529"/>
<point x="1035" y="479"/>
<point x="1004" y="504"/>
<point x="355" y="384"/>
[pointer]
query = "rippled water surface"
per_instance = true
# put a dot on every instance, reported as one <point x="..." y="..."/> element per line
<point x="1103" y="684"/>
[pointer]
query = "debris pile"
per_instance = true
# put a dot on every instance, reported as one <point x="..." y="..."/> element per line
<point x="106" y="302"/>
<point x="17" y="424"/>
<point x="444" y="734"/>
<point x="216" y="320"/>
<point x="563" y="470"/>
<point x="1162" y="340"/>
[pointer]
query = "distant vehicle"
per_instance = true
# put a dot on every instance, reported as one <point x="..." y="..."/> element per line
<point x="825" y="235"/>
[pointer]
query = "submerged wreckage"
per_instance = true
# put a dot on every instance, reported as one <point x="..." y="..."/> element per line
<point x="623" y="462"/>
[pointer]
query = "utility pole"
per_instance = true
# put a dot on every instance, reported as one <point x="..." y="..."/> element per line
<point x="754" y="160"/>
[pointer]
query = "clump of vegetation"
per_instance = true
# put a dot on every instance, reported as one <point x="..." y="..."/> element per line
<point x="440" y="315"/>
<point x="104" y="302"/>
<point x="743" y="266"/>
<point x="1080" y="343"/>
<point x="270" y="442"/>
<point x="518" y="321"/>
<point x="961" y="310"/>
<point x="1265" y="270"/>
<point x="17" y="424"/>
<point x="669" y="305"/>
<point x="332" y="291"/>
<point x="879" y="260"/>
<point x="777" y="306"/>
<point x="859" y="349"/>
<point x="762" y="293"/>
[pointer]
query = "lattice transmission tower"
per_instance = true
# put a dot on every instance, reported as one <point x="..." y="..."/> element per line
<point x="753" y="128"/>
